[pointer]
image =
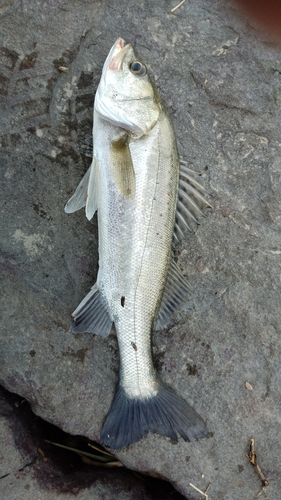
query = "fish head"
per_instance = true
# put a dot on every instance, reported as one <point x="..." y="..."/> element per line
<point x="125" y="96"/>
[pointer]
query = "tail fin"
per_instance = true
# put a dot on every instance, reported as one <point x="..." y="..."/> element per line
<point x="130" y="419"/>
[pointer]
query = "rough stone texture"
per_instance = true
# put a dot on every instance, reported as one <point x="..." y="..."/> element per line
<point x="221" y="81"/>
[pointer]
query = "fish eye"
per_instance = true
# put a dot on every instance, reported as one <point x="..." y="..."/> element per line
<point x="138" y="68"/>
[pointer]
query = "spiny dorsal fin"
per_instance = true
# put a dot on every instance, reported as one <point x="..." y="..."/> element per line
<point x="191" y="202"/>
<point x="122" y="165"/>
<point x="175" y="293"/>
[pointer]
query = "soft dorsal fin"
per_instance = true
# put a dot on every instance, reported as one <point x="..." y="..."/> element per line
<point x="175" y="292"/>
<point x="191" y="202"/>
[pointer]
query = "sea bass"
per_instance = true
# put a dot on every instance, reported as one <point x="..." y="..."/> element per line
<point x="145" y="201"/>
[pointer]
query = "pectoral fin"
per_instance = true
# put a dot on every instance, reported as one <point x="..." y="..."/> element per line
<point x="122" y="166"/>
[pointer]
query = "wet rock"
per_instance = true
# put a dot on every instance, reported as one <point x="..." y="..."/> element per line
<point x="220" y="79"/>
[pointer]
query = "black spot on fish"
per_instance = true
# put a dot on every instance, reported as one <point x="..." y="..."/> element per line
<point x="122" y="301"/>
<point x="134" y="346"/>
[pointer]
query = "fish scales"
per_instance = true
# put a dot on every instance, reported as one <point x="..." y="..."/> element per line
<point x="133" y="183"/>
<point x="143" y="228"/>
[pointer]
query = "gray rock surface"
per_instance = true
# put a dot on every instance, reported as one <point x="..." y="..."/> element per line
<point x="221" y="81"/>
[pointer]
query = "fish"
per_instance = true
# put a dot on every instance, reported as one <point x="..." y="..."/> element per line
<point x="145" y="200"/>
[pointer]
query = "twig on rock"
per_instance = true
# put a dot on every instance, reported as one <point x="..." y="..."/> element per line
<point x="253" y="460"/>
<point x="177" y="6"/>
<point x="200" y="491"/>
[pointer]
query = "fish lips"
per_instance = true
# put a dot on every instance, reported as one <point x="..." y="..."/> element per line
<point x="116" y="61"/>
<point x="116" y="55"/>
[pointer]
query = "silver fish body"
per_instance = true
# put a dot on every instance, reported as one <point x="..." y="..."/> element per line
<point x="133" y="182"/>
<point x="135" y="248"/>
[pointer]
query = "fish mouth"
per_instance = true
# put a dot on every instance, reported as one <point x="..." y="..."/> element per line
<point x="117" y="54"/>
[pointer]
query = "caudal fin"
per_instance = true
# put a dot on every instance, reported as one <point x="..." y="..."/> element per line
<point x="130" y="419"/>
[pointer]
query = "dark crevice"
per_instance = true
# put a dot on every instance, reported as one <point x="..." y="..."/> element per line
<point x="5" y="475"/>
<point x="62" y="470"/>
<point x="28" y="464"/>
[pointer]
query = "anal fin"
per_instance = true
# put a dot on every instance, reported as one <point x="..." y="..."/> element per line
<point x="91" y="315"/>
